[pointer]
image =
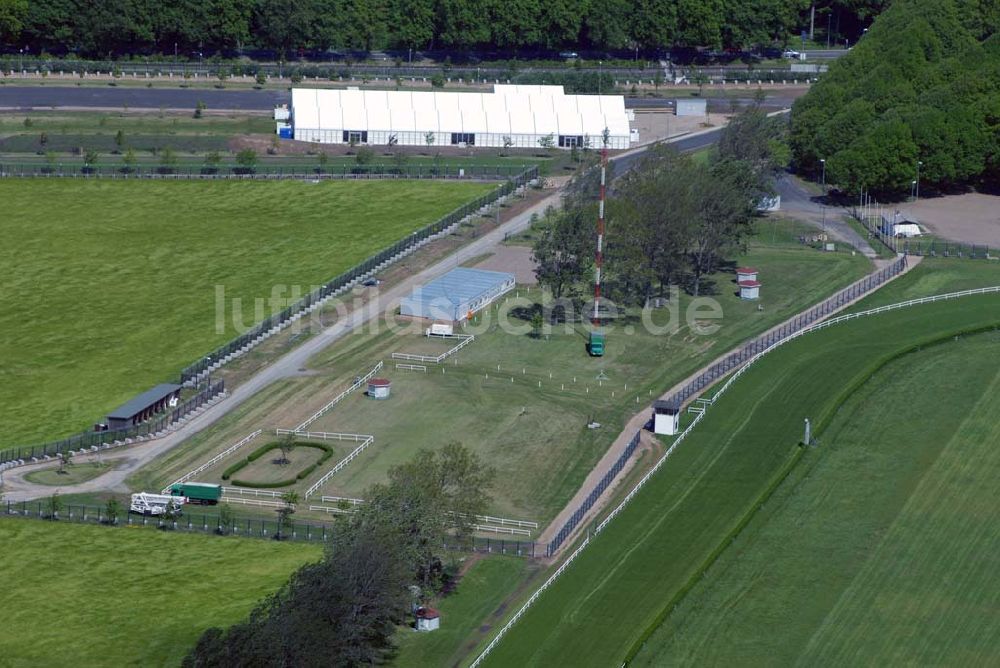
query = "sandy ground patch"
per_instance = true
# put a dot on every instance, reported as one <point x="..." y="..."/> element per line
<point x="654" y="125"/>
<point x="973" y="218"/>
<point x="515" y="259"/>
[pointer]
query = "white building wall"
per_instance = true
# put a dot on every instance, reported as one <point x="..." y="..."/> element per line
<point x="525" y="114"/>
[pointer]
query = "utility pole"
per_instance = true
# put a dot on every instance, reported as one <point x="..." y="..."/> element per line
<point x="812" y="22"/>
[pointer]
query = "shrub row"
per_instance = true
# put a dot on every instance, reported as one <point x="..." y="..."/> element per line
<point x="274" y="445"/>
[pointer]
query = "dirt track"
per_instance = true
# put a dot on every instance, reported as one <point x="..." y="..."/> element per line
<point x="973" y="218"/>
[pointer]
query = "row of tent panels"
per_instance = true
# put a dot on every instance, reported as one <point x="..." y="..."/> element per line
<point x="509" y="115"/>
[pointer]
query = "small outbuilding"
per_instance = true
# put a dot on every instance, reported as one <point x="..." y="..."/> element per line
<point x="746" y="274"/>
<point x="666" y="418"/>
<point x="457" y="295"/>
<point x="428" y="619"/>
<point x="694" y="106"/>
<point x="144" y="406"/>
<point x="749" y="290"/>
<point x="379" y="388"/>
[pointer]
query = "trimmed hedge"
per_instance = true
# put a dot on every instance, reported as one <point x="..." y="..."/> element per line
<point x="274" y="445"/>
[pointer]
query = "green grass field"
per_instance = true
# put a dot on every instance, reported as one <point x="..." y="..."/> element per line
<point x="71" y="475"/>
<point x="892" y="510"/>
<point x="536" y="437"/>
<point x="111" y="286"/>
<point x="97" y="596"/>
<point x="479" y="593"/>
<point x="660" y="545"/>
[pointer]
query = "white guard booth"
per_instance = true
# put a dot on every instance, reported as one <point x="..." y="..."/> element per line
<point x="666" y="418"/>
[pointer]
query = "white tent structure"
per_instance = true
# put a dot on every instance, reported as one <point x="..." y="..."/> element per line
<point x="522" y="114"/>
<point x="899" y="224"/>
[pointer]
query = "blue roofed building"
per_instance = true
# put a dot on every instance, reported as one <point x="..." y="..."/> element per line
<point x="457" y="295"/>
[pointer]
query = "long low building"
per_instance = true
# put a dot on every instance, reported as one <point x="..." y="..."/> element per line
<point x="457" y="295"/>
<point x="517" y="116"/>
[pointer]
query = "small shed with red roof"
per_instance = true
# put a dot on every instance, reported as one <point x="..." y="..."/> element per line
<point x="428" y="619"/>
<point x="749" y="289"/>
<point x="746" y="274"/>
<point x="379" y="388"/>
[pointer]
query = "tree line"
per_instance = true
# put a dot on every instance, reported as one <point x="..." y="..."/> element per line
<point x="344" y="609"/>
<point x="920" y="94"/>
<point x="121" y="27"/>
<point x="671" y="221"/>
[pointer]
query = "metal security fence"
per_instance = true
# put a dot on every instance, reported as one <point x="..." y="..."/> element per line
<point x="206" y="523"/>
<point x="800" y="322"/>
<point x="90" y="440"/>
<point x="259" y="172"/>
<point x="344" y="281"/>
<point x="591" y="499"/>
<point x="871" y="213"/>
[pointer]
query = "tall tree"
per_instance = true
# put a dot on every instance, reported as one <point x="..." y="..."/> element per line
<point x="12" y="16"/>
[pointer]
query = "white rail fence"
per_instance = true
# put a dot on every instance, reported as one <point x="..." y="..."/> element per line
<point x="504" y="530"/>
<point x="412" y="367"/>
<point x="437" y="359"/>
<point x="254" y="493"/>
<point x="323" y="435"/>
<point x="213" y="461"/>
<point x="253" y="502"/>
<point x="680" y="439"/>
<point x="343" y="462"/>
<point x="330" y="509"/>
<point x="340" y="397"/>
<point x="341" y="499"/>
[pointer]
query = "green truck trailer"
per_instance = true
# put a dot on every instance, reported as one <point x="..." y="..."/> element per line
<point x="596" y="344"/>
<point x="197" y="492"/>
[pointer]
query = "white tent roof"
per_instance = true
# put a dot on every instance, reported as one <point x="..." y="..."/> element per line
<point x="530" y="110"/>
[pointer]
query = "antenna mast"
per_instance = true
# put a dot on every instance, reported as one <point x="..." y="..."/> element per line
<point x="599" y="259"/>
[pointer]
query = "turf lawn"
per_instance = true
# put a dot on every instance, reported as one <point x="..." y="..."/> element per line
<point x="98" y="596"/>
<point x="110" y="287"/>
<point x="880" y="549"/>
<point x="659" y="546"/>
<point x="535" y="436"/>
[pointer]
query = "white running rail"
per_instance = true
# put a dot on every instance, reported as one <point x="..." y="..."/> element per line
<point x="213" y="461"/>
<point x="505" y="530"/>
<point x="680" y="438"/>
<point x="336" y="400"/>
<point x="343" y="462"/>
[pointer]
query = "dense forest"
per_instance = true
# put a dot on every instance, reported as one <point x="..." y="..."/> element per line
<point x="923" y="86"/>
<point x="120" y="27"/>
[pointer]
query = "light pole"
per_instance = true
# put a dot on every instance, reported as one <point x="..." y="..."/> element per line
<point x="822" y="161"/>
<point x="600" y="74"/>
<point x="917" y="183"/>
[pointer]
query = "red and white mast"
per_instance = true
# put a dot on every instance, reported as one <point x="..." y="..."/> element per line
<point x="599" y="259"/>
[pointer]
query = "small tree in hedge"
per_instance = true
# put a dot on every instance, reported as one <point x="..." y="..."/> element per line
<point x="53" y="505"/>
<point x="129" y="160"/>
<point x="364" y="157"/>
<point x="322" y="159"/>
<point x="290" y="499"/>
<point x="65" y="458"/>
<point x="168" y="160"/>
<point x="286" y="445"/>
<point x="90" y="157"/>
<point x="111" y="511"/>
<point x="212" y="160"/>
<point x="247" y="160"/>
<point x="261" y="79"/>
<point x="225" y="519"/>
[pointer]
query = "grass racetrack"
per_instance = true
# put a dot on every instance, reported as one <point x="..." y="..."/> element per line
<point x="110" y="286"/>
<point x="101" y="596"/>
<point x="627" y="581"/>
<point x="881" y="548"/>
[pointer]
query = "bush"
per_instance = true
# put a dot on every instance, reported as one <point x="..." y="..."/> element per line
<point x="437" y="81"/>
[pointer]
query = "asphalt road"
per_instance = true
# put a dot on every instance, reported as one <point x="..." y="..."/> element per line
<point x="50" y="97"/>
